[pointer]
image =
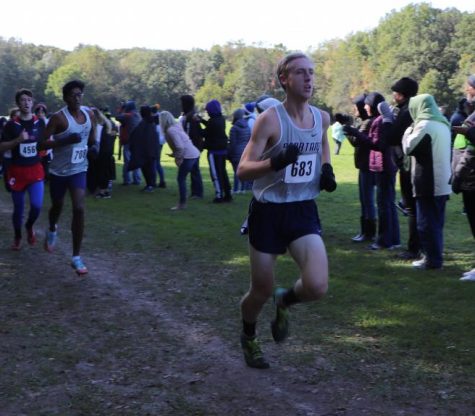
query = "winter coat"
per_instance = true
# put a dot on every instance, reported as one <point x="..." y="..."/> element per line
<point x="193" y="129"/>
<point x="215" y="133"/>
<point x="380" y="155"/>
<point x="362" y="151"/>
<point x="143" y="144"/>
<point x="239" y="136"/>
<point x="429" y="144"/>
<point x="463" y="165"/>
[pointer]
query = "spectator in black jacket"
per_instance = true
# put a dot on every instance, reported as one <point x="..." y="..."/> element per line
<point x="366" y="178"/>
<point x="216" y="142"/>
<point x="403" y="90"/>
<point x="143" y="144"/>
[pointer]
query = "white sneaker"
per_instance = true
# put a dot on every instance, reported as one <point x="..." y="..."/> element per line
<point x="468" y="278"/>
<point x="470" y="272"/>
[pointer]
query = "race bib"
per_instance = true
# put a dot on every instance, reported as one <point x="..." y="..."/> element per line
<point x="79" y="154"/>
<point x="28" y="149"/>
<point x="301" y="171"/>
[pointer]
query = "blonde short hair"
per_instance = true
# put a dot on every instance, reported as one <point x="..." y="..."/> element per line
<point x="283" y="66"/>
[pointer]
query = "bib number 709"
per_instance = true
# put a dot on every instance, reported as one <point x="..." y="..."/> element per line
<point x="79" y="154"/>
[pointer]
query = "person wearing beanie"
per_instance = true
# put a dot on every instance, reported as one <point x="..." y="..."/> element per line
<point x="366" y="178"/>
<point x="216" y="143"/>
<point x="381" y="163"/>
<point x="403" y="90"/>
<point x="427" y="143"/>
<point x="288" y="158"/>
<point x="406" y="86"/>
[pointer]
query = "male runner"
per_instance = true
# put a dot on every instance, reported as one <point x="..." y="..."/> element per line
<point x="73" y="130"/>
<point x="288" y="158"/>
<point x="25" y="171"/>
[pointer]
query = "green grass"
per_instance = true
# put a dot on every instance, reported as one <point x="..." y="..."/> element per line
<point x="378" y="306"/>
<point x="402" y="333"/>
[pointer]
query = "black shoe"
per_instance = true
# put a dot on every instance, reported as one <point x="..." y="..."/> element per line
<point x="228" y="199"/>
<point x="408" y="255"/>
<point x="103" y="195"/>
<point x="218" y="200"/>
<point x="253" y="353"/>
<point x="162" y="185"/>
<point x="402" y="209"/>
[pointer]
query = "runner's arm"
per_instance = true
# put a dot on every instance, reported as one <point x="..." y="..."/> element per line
<point x="326" y="158"/>
<point x="11" y="144"/>
<point x="55" y="126"/>
<point x="266" y="130"/>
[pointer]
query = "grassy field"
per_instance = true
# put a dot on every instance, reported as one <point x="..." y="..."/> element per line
<point x="405" y="337"/>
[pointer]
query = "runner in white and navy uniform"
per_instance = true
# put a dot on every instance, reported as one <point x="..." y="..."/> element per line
<point x="288" y="158"/>
<point x="25" y="171"/>
<point x="73" y="130"/>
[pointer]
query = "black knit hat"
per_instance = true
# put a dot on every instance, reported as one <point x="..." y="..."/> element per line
<point x="406" y="86"/>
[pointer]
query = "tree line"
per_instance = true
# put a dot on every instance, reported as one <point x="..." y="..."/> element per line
<point x="436" y="47"/>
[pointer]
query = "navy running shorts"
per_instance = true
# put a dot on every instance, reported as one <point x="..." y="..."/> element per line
<point x="58" y="185"/>
<point x="272" y="227"/>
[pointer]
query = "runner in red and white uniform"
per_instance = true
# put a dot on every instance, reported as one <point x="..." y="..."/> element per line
<point x="25" y="171"/>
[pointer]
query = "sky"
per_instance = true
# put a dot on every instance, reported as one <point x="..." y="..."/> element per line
<point x="187" y="24"/>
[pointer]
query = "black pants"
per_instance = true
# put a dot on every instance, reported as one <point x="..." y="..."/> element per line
<point x="413" y="244"/>
<point x="469" y="202"/>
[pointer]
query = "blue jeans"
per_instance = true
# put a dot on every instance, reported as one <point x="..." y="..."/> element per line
<point x="159" y="167"/>
<point x="388" y="233"/>
<point x="196" y="180"/>
<point x="184" y="169"/>
<point x="430" y="225"/>
<point x="125" y="173"/>
<point x="367" y="186"/>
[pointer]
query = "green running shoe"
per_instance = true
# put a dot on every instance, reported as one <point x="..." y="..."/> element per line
<point x="253" y="353"/>
<point x="280" y="325"/>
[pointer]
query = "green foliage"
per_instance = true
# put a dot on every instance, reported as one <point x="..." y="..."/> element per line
<point x="434" y="46"/>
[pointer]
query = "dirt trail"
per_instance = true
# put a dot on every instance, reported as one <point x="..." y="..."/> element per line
<point x="109" y="344"/>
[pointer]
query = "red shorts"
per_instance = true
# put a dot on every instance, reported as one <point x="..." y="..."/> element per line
<point x="19" y="177"/>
